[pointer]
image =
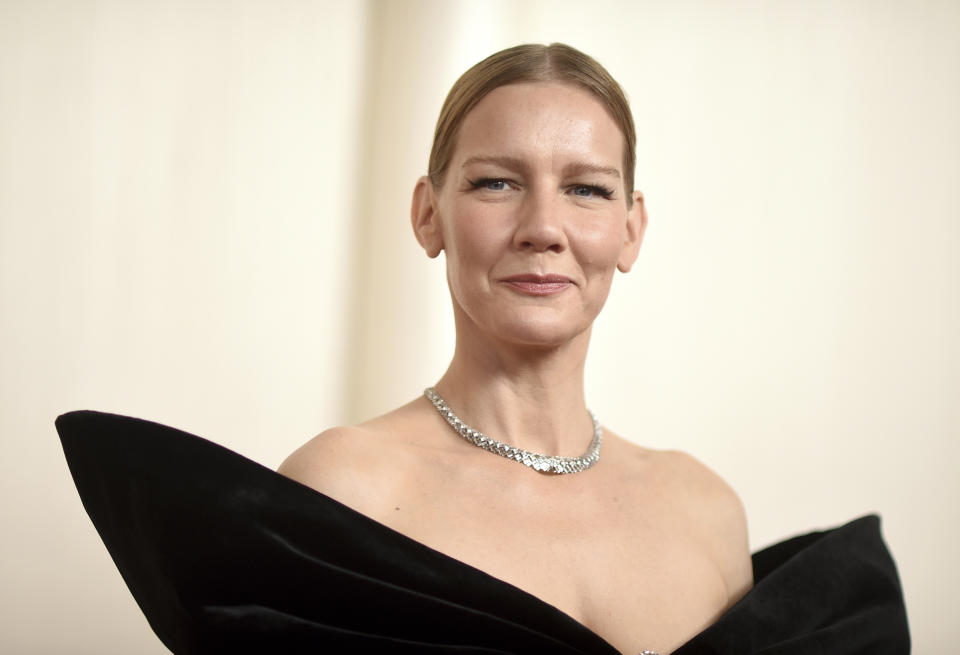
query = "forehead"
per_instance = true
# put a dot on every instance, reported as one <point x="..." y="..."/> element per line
<point x="548" y="122"/>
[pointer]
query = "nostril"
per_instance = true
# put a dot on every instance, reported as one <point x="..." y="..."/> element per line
<point x="552" y="247"/>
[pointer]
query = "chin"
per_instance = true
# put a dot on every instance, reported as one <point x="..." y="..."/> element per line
<point x="531" y="325"/>
<point x="542" y="334"/>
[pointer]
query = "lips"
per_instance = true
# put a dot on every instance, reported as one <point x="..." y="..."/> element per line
<point x="538" y="285"/>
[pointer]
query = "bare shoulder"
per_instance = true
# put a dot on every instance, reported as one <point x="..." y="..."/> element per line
<point x="707" y="505"/>
<point x="359" y="465"/>
<point x="712" y="505"/>
<point x="688" y="481"/>
<point x="691" y="486"/>
<point x="324" y="449"/>
<point x="332" y="461"/>
<point x="698" y="484"/>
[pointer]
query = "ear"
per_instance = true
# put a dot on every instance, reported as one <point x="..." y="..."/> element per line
<point x="425" y="218"/>
<point x="636" y="227"/>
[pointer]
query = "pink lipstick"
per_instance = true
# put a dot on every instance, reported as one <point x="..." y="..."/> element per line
<point x="538" y="285"/>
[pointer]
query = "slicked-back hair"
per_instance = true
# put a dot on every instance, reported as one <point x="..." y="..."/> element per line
<point x="556" y="62"/>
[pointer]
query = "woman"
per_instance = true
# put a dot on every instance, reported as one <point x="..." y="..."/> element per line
<point x="422" y="542"/>
<point x="530" y="197"/>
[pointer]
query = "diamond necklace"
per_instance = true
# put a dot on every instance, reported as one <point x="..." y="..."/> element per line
<point x="537" y="461"/>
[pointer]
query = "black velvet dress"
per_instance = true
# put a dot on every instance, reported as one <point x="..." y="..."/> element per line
<point x="226" y="556"/>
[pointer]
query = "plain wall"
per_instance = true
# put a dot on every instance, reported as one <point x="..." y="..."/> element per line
<point x="204" y="221"/>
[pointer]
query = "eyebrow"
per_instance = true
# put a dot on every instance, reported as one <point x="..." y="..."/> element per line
<point x="511" y="163"/>
<point x="585" y="167"/>
<point x="517" y="164"/>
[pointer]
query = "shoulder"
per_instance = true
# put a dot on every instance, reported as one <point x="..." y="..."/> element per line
<point x="697" y="483"/>
<point x="704" y="505"/>
<point x="681" y="474"/>
<point x="336" y="442"/>
<point x="362" y="466"/>
<point x="331" y="461"/>
<point x="717" y="513"/>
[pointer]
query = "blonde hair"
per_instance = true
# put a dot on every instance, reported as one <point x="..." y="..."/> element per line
<point x="556" y="62"/>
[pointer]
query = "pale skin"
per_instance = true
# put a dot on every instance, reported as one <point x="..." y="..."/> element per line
<point x="646" y="548"/>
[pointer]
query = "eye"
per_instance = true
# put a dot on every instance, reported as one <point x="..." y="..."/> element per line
<point x="490" y="184"/>
<point x="591" y="191"/>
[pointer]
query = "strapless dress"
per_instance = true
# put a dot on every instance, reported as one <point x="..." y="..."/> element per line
<point x="224" y="555"/>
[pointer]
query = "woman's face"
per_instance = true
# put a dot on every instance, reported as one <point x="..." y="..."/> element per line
<point x="532" y="214"/>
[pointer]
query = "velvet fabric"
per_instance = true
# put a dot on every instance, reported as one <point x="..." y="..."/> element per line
<point x="226" y="556"/>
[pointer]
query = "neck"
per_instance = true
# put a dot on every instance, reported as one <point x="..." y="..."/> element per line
<point x="528" y="397"/>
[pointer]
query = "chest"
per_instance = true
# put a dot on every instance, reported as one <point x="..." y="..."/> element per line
<point x="640" y="578"/>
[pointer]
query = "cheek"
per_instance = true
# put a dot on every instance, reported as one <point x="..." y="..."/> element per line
<point x="474" y="237"/>
<point x="599" y="245"/>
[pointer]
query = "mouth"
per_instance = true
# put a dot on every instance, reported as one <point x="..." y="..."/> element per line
<point x="538" y="285"/>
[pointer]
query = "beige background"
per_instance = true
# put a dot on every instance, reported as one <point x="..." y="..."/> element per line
<point x="203" y="221"/>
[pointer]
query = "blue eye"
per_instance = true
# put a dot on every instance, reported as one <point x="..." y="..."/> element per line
<point x="489" y="183"/>
<point x="591" y="191"/>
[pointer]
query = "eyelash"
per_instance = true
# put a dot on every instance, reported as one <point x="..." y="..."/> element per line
<point x="484" y="181"/>
<point x="603" y="192"/>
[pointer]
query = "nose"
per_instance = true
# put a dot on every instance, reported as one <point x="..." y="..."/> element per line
<point x="540" y="224"/>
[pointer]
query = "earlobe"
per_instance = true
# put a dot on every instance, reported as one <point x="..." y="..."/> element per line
<point x="425" y="219"/>
<point x="636" y="227"/>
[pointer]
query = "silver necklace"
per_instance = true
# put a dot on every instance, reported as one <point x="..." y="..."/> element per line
<point x="537" y="461"/>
